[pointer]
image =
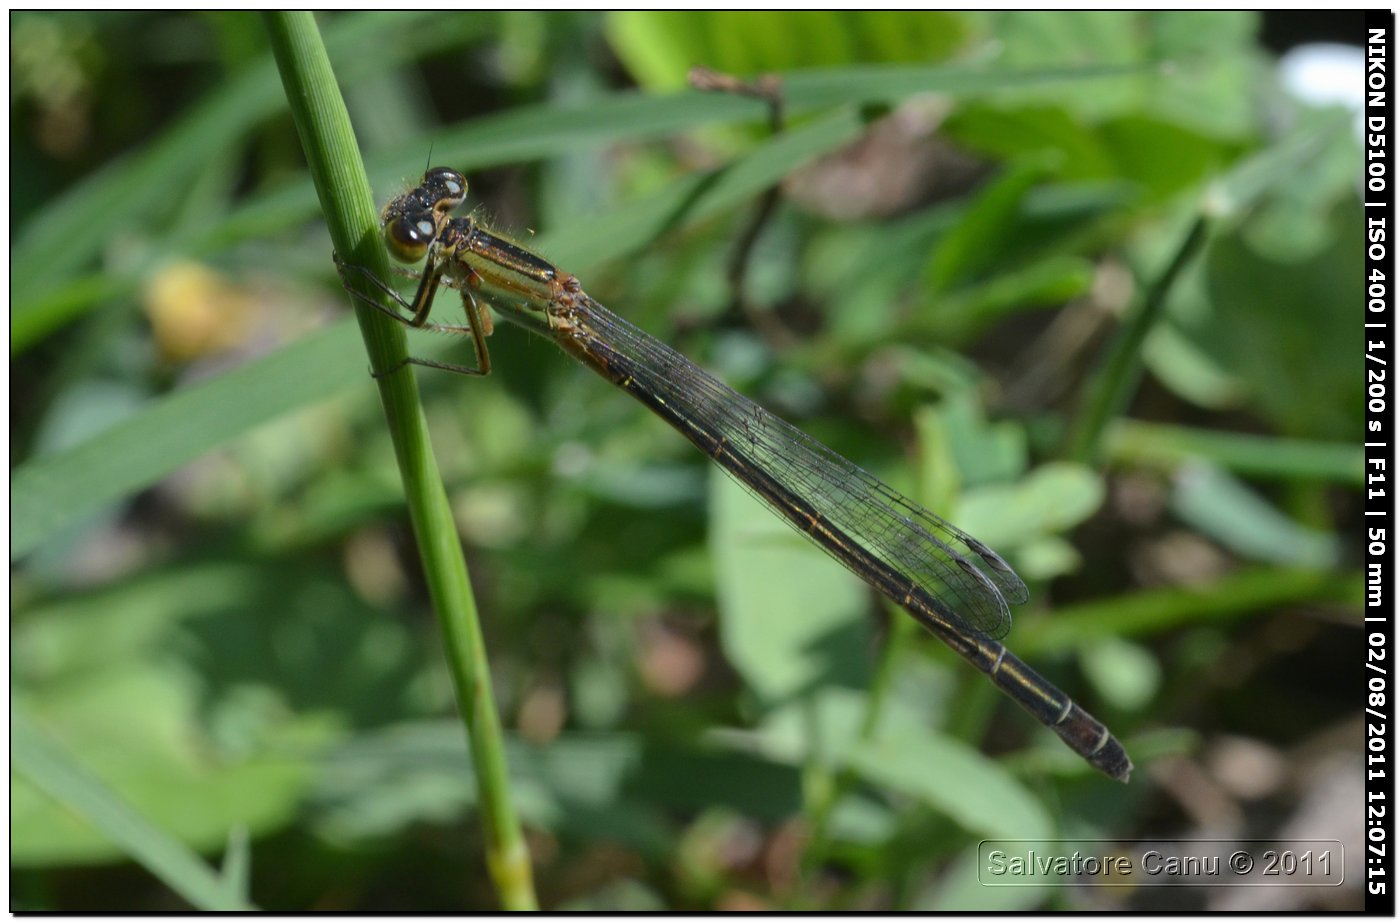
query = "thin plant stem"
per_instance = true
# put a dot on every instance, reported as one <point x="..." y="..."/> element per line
<point x="338" y="172"/>
<point x="1113" y="384"/>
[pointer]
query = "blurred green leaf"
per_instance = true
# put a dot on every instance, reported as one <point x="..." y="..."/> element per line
<point x="51" y="492"/>
<point x="1044" y="283"/>
<point x="1219" y="506"/>
<point x="986" y="452"/>
<point x="1183" y="366"/>
<point x="821" y="727"/>
<point x="1038" y="39"/>
<point x="1268" y="218"/>
<point x="1314" y="145"/>
<point x="957" y="781"/>
<point x="1164" y="158"/>
<point x="1294" y="315"/>
<point x="1042" y="132"/>
<point x="196" y="692"/>
<point x="1140" y="443"/>
<point x="40" y="762"/>
<point x="1052" y="498"/>
<point x="131" y="728"/>
<point x="585" y="786"/>
<point x="970" y="249"/>
<point x="1139" y="613"/>
<point x="1203" y="62"/>
<point x="659" y="47"/>
<point x="940" y="480"/>
<point x="1293" y="222"/>
<point x="1124" y="673"/>
<point x="1023" y="515"/>
<point x="1164" y="130"/>
<point x="790" y="615"/>
<point x="698" y="196"/>
<point x="1045" y="558"/>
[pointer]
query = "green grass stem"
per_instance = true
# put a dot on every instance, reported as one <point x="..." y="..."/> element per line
<point x="1115" y="381"/>
<point x="339" y="175"/>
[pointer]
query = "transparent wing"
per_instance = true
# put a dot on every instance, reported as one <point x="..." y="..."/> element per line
<point x="969" y="583"/>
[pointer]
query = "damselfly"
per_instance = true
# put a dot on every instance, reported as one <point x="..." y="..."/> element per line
<point x="953" y="584"/>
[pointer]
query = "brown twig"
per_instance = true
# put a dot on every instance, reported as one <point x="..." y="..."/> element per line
<point x="769" y="89"/>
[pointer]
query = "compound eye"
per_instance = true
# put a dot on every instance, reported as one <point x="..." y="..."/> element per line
<point x="448" y="179"/>
<point x="408" y="237"/>
<point x="446" y="187"/>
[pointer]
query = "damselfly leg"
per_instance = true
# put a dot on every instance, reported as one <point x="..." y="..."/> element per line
<point x="478" y="326"/>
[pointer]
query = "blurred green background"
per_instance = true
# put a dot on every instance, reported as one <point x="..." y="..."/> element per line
<point x="220" y="638"/>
